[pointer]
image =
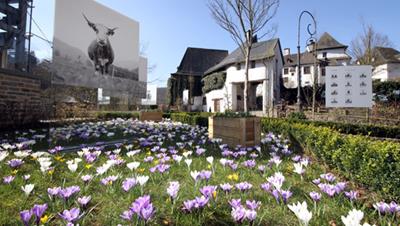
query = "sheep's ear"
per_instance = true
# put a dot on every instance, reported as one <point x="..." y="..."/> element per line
<point x="92" y="25"/>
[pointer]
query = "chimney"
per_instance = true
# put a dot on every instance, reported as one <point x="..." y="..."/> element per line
<point x="286" y="51"/>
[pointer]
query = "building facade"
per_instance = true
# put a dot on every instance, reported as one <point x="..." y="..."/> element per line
<point x="328" y="52"/>
<point x="224" y="83"/>
<point x="184" y="86"/>
<point x="386" y="64"/>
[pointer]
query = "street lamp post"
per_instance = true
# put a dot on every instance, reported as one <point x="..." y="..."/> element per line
<point x="311" y="33"/>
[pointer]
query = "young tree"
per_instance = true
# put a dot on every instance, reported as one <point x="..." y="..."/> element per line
<point x="244" y="19"/>
<point x="361" y="48"/>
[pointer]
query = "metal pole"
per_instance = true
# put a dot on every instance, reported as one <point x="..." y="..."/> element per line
<point x="28" y="66"/>
<point x="311" y="33"/>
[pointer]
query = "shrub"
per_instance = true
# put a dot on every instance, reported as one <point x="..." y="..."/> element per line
<point x="297" y="116"/>
<point x="375" y="164"/>
<point x="104" y="115"/>
<point x="200" y="119"/>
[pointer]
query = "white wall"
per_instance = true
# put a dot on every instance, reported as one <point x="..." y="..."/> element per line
<point x="142" y="69"/>
<point x="386" y="72"/>
<point x="333" y="54"/>
<point x="151" y="95"/>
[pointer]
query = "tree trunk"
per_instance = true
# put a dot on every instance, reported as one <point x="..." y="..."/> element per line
<point x="246" y="78"/>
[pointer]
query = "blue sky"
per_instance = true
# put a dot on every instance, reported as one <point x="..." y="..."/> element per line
<point x="168" y="27"/>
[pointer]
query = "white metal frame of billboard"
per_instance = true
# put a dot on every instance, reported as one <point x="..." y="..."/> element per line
<point x="348" y="86"/>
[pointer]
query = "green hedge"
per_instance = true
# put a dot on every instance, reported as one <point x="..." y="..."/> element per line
<point x="200" y="119"/>
<point x="375" y="164"/>
<point x="356" y="129"/>
<point x="116" y="114"/>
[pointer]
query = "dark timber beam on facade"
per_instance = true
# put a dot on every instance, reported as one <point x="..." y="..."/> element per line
<point x="6" y="9"/>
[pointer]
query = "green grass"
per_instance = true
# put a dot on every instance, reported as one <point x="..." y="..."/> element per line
<point x="108" y="202"/>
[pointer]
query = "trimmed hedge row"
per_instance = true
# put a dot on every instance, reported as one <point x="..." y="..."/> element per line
<point x="200" y="119"/>
<point x="357" y="129"/>
<point x="375" y="164"/>
<point x="116" y="114"/>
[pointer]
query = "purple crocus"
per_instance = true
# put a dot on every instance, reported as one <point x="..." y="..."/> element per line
<point x="253" y="204"/>
<point x="351" y="195"/>
<point x="238" y="214"/>
<point x="173" y="189"/>
<point x="127" y="215"/>
<point x="328" y="177"/>
<point x="15" y="163"/>
<point x="86" y="178"/>
<point x="8" y="179"/>
<point x="249" y="163"/>
<point x="276" y="195"/>
<point x="70" y="215"/>
<point x="243" y="186"/>
<point x="53" y="191"/>
<point x="266" y="187"/>
<point x="67" y="192"/>
<point x="208" y="191"/>
<point x="26" y="216"/>
<point x="128" y="183"/>
<point x="226" y="187"/>
<point x="235" y="203"/>
<point x="394" y="207"/>
<point x="382" y="207"/>
<point x="315" y="196"/>
<point x="251" y="215"/>
<point x="205" y="174"/>
<point x="188" y="205"/>
<point x="201" y="201"/>
<point x="286" y="194"/>
<point x="39" y="210"/>
<point x="83" y="201"/>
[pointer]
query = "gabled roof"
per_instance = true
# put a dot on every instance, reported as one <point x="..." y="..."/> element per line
<point x="326" y="41"/>
<point x="197" y="60"/>
<point x="291" y="60"/>
<point x="260" y="50"/>
<point x="385" y="55"/>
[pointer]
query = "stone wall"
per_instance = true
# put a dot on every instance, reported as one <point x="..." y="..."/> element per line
<point x="20" y="99"/>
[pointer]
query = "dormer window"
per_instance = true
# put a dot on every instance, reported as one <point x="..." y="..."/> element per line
<point x="238" y="66"/>
<point x="324" y="54"/>
<point x="253" y="64"/>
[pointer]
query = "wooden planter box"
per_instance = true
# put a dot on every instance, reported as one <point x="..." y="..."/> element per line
<point x="150" y="116"/>
<point x="235" y="131"/>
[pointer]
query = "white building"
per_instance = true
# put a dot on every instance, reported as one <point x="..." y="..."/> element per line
<point x="223" y="83"/>
<point x="329" y="52"/>
<point x="151" y="95"/>
<point x="386" y="64"/>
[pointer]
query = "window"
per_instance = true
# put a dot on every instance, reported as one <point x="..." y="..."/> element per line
<point x="323" y="71"/>
<point x="286" y="71"/>
<point x="253" y="64"/>
<point x="307" y="70"/>
<point x="324" y="54"/>
<point x="286" y="80"/>
<point x="238" y="66"/>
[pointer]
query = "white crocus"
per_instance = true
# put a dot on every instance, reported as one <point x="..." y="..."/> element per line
<point x="210" y="159"/>
<point x="27" y="189"/>
<point x="194" y="174"/>
<point x="301" y="212"/>
<point x="223" y="161"/>
<point x="21" y="154"/>
<point x="354" y="218"/>
<point x="298" y="168"/>
<point x="73" y="166"/>
<point x="133" y="165"/>
<point x="142" y="180"/>
<point x="3" y="155"/>
<point x="178" y="158"/>
<point x="188" y="162"/>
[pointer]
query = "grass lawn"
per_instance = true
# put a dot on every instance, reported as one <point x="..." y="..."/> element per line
<point x="171" y="152"/>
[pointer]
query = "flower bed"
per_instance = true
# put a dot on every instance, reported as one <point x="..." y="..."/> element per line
<point x="172" y="174"/>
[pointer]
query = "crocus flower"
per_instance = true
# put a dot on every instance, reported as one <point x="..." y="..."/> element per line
<point x="128" y="183"/>
<point x="26" y="216"/>
<point x="315" y="196"/>
<point x="127" y="215"/>
<point x="328" y="177"/>
<point x="276" y="180"/>
<point x="39" y="210"/>
<point x="250" y="215"/>
<point x="83" y="201"/>
<point x="298" y="168"/>
<point x="235" y="203"/>
<point x="195" y="174"/>
<point x="143" y="208"/>
<point x="353" y="218"/>
<point x="286" y="194"/>
<point x="208" y="191"/>
<point x="70" y="215"/>
<point x="27" y="189"/>
<point x="394" y="207"/>
<point x="8" y="179"/>
<point x="226" y="187"/>
<point x="142" y="180"/>
<point x="53" y="191"/>
<point x="173" y="189"/>
<point x="244" y="186"/>
<point x="266" y="187"/>
<point x="188" y="162"/>
<point x="86" y="178"/>
<point x="301" y="212"/>
<point x="133" y="165"/>
<point x="352" y="195"/>
<point x="382" y="207"/>
<point x="238" y="214"/>
<point x="15" y="163"/>
<point x="252" y="204"/>
<point x="210" y="159"/>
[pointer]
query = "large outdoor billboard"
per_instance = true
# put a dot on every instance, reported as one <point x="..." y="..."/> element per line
<point x="96" y="47"/>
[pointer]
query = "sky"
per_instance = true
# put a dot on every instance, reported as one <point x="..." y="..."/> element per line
<point x="168" y="27"/>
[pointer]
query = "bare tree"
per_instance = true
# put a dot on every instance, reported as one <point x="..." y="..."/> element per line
<point x="361" y="48"/>
<point x="244" y="19"/>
